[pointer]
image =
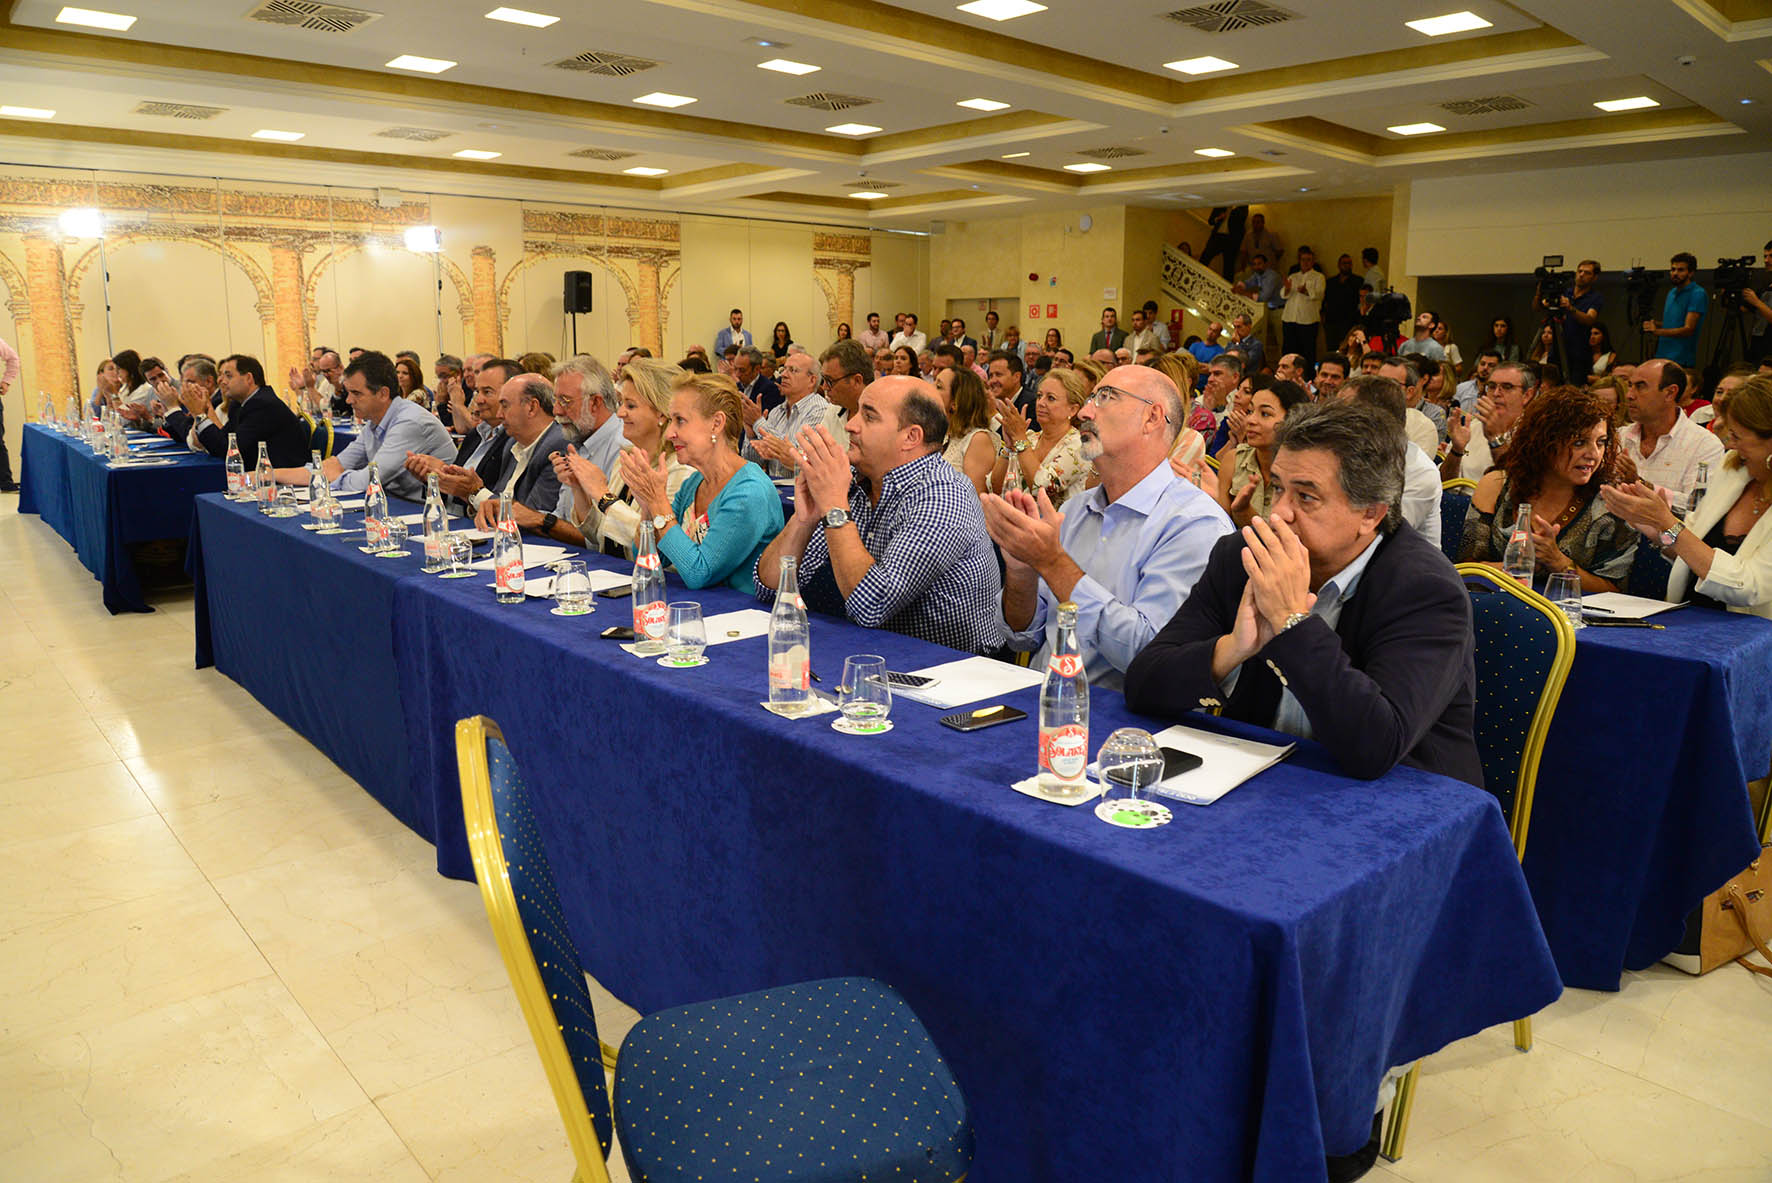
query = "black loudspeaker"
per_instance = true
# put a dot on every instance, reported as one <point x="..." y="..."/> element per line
<point x="578" y="291"/>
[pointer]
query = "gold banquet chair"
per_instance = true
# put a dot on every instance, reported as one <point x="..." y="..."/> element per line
<point x="696" y="1093"/>
<point x="1524" y="648"/>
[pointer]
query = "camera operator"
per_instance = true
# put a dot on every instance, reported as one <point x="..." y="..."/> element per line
<point x="1759" y="342"/>
<point x="1575" y="312"/>
<point x="1681" y="314"/>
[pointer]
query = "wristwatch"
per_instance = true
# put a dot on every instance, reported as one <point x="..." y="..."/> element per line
<point x="607" y="500"/>
<point x="1021" y="445"/>
<point x="548" y="522"/>
<point x="1295" y="618"/>
<point x="1672" y="534"/>
<point x="836" y="518"/>
<point x="659" y="522"/>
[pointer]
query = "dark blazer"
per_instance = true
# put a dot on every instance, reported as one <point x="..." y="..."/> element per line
<point x="261" y="416"/>
<point x="538" y="486"/>
<point x="1394" y="682"/>
<point x="489" y="467"/>
<point x="767" y="392"/>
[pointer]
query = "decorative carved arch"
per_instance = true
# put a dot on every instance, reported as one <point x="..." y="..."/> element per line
<point x="830" y="300"/>
<point x="261" y="283"/>
<point x="534" y="254"/>
<point x="311" y="287"/>
<point x="17" y="298"/>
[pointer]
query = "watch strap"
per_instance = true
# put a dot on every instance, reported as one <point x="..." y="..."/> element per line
<point x="548" y="522"/>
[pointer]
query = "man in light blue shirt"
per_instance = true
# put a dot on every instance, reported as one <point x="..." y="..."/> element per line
<point x="1682" y="314"/>
<point x="392" y="428"/>
<point x="1126" y="552"/>
<point x="584" y="404"/>
<point x="734" y="334"/>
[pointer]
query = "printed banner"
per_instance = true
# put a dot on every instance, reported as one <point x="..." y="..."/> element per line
<point x="1203" y="289"/>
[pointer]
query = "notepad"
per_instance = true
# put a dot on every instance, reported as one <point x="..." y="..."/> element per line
<point x="1618" y="606"/>
<point x="736" y="626"/>
<point x="969" y="680"/>
<point x="1225" y="763"/>
<point x="534" y="555"/>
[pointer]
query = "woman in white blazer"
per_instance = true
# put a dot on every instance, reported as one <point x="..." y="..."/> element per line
<point x="1723" y="551"/>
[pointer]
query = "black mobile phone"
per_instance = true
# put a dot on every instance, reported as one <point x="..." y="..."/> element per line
<point x="618" y="632"/>
<point x="1175" y="762"/>
<point x="914" y="681"/>
<point x="616" y="593"/>
<point x="982" y="717"/>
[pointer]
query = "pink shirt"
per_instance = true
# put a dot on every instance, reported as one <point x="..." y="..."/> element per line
<point x="8" y="365"/>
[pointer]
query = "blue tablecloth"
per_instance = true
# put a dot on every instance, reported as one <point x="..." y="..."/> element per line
<point x="1642" y="807"/>
<point x="101" y="509"/>
<point x="1213" y="1000"/>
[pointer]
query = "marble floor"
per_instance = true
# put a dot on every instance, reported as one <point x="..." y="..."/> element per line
<point x="221" y="960"/>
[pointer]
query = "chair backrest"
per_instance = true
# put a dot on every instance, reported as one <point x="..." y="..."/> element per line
<point x="1455" y="502"/>
<point x="322" y="437"/>
<point x="1524" y="648"/>
<point x="1649" y="570"/>
<point x="517" y="886"/>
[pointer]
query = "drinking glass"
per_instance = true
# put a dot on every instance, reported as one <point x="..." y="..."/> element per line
<point x="286" y="506"/>
<point x="461" y="556"/>
<point x="685" y="635"/>
<point x="865" y="697"/>
<point x="572" y="588"/>
<point x="326" y="513"/>
<point x="396" y="547"/>
<point x="1130" y="763"/>
<point x="1564" y="590"/>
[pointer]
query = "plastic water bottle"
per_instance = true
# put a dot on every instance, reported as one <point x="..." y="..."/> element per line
<point x="1699" y="489"/>
<point x="790" y="646"/>
<point x="649" y="593"/>
<point x="375" y="514"/>
<point x="1064" y="713"/>
<point x="436" y="527"/>
<point x="1520" y="559"/>
<point x="236" y="470"/>
<point x="507" y="553"/>
<point x="264" y="479"/>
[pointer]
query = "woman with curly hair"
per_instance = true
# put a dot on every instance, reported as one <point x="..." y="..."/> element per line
<point x="1563" y="450"/>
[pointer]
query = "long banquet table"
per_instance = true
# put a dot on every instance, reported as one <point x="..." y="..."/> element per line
<point x="1215" y="999"/>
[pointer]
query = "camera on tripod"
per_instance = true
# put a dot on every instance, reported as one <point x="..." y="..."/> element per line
<point x="1553" y="281"/>
<point x="1730" y="277"/>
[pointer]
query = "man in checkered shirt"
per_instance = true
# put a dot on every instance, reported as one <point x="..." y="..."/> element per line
<point x="898" y="541"/>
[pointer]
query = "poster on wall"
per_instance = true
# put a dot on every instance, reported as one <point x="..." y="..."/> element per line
<point x="1203" y="290"/>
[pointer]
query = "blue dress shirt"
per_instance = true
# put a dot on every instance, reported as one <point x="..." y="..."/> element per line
<point x="1140" y="557"/>
<point x="407" y="427"/>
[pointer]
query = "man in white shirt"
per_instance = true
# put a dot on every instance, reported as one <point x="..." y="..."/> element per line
<point x="1662" y="442"/>
<point x="909" y="334"/>
<point x="1421" y="480"/>
<point x="801" y="407"/>
<point x="1474" y="444"/>
<point x="1154" y="323"/>
<point x="1303" y="290"/>
<point x="733" y="334"/>
<point x="1417" y="426"/>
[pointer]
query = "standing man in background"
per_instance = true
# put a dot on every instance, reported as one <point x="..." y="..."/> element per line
<point x="1225" y="242"/>
<point x="1682" y="314"/>
<point x="1341" y="303"/>
<point x="1303" y="292"/>
<point x="1577" y="311"/>
<point x="733" y="334"/>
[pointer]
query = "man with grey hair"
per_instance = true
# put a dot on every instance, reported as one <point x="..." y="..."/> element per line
<point x="1127" y="551"/>
<point x="772" y="436"/>
<point x="584" y="406"/>
<point x="1421" y="478"/>
<point x="760" y="392"/>
<point x="528" y="477"/>
<point x="1406" y="373"/>
<point x="1327" y="619"/>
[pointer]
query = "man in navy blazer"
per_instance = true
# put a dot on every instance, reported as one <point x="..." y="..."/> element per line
<point x="255" y="415"/>
<point x="1329" y="619"/>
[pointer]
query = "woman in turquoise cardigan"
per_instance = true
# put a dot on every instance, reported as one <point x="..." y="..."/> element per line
<point x="728" y="510"/>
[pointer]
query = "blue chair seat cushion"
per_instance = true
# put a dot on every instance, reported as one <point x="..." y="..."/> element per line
<point x="827" y="1080"/>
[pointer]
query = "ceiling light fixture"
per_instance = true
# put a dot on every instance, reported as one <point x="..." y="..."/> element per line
<point x="1414" y="129"/>
<point x="426" y="240"/>
<point x="410" y="61"/>
<point x="1088" y="166"/>
<point x="1452" y="22"/>
<point x="27" y="113"/>
<point x="983" y="104"/>
<point x="1205" y="65"/>
<point x="82" y="223"/>
<point x="271" y="133"/>
<point x="1002" y="10"/>
<point x="659" y="98"/>
<point x="477" y="154"/>
<point x="783" y="66"/>
<point x="1015" y="155"/>
<point x="518" y="16"/>
<point x="1636" y="103"/>
<point x="94" y="19"/>
<point x="866" y="195"/>
<point x="641" y="170"/>
<point x="852" y="129"/>
<point x="1215" y="153"/>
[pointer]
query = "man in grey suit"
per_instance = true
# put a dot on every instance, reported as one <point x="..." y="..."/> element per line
<point x="528" y="474"/>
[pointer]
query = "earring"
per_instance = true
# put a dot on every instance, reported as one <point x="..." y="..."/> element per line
<point x="713" y="440"/>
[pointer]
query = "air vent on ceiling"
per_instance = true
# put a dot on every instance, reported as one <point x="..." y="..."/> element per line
<point x="871" y="183"/>
<point x="601" y="154"/>
<point x="317" y="18"/>
<point x="1228" y="16"/>
<point x="422" y="135"/>
<point x="826" y="101"/>
<point x="607" y="65"/>
<point x="1114" y="153"/>
<point x="178" y="110"/>
<point x="1488" y="105"/>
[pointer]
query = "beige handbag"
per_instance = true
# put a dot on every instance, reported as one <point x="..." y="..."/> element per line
<point x="1737" y="919"/>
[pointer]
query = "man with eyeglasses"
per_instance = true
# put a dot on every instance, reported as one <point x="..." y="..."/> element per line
<point x="1126" y="552"/>
<point x="1475" y="445"/>
<point x="802" y="407"/>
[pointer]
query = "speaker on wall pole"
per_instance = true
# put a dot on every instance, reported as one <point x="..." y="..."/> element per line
<point x="577" y="299"/>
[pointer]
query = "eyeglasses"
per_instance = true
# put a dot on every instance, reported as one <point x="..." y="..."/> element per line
<point x="1105" y="394"/>
<point x="1488" y="386"/>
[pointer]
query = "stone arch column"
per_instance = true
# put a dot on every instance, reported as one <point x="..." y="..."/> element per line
<point x="288" y="320"/>
<point x="52" y="330"/>
<point x="488" y="334"/>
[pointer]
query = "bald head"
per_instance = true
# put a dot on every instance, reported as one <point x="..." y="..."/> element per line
<point x="1129" y="434"/>
<point x="899" y="419"/>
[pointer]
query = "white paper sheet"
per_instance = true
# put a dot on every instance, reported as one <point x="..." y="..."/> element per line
<point x="969" y="680"/>
<point x="534" y="555"/>
<point x="1618" y="606"/>
<point x="736" y="626"/>
<point x="1226" y="762"/>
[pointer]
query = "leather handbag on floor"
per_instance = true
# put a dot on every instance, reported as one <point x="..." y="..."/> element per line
<point x="1733" y="921"/>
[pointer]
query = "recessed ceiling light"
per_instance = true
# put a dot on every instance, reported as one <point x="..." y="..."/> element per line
<point x="409" y="61"/>
<point x="866" y="195"/>
<point x="1205" y="65"/>
<point x="1015" y="155"/>
<point x="659" y="98"/>
<point x="852" y="129"/>
<point x="1452" y="22"/>
<point x="94" y="19"/>
<point x="271" y="133"/>
<point x="641" y="170"/>
<point x="1304" y="188"/>
<point x="983" y="104"/>
<point x="783" y="66"/>
<point x="1636" y="103"/>
<point x="1002" y="10"/>
<point x="1088" y="166"/>
<point x="765" y="43"/>
<point x="517" y="16"/>
<point x="27" y="112"/>
<point x="1215" y="153"/>
<point x="478" y="154"/>
<point x="1415" y="129"/>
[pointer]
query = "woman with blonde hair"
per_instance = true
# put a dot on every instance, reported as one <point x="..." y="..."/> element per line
<point x="1722" y="552"/>
<point x="1052" y="457"/>
<point x="537" y="363"/>
<point x="603" y="506"/>
<point x="715" y="526"/>
<point x="971" y="445"/>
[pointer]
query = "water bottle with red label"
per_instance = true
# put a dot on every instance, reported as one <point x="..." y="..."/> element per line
<point x="650" y="614"/>
<point x="1064" y="714"/>
<point x="507" y="554"/>
<point x="236" y="470"/>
